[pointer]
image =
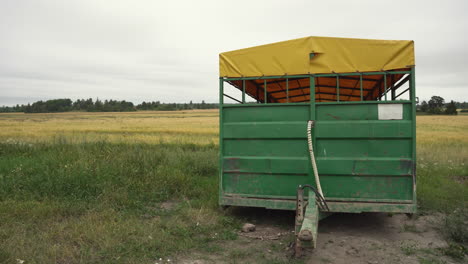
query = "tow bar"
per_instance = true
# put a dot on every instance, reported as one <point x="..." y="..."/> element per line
<point x="308" y="213"/>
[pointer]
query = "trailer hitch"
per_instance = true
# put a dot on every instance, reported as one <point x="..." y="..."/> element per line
<point x="307" y="217"/>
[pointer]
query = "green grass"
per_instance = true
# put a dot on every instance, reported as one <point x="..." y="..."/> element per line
<point x="99" y="203"/>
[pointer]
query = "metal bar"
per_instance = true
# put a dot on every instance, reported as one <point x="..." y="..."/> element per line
<point x="349" y="207"/>
<point x="312" y="95"/>
<point x="326" y="99"/>
<point x="413" y="104"/>
<point x="320" y="85"/>
<point x="313" y="116"/>
<point x="341" y="77"/>
<point x="221" y="92"/>
<point x="221" y="135"/>
<point x="402" y="93"/>
<point x="265" y="91"/>
<point x="264" y="77"/>
<point x="383" y="72"/>
<point x="232" y="98"/>
<point x="287" y="90"/>
<point x="402" y="82"/>
<point x="263" y="105"/>
<point x="356" y="79"/>
<point x="392" y="88"/>
<point x="307" y="236"/>
<point x="385" y="86"/>
<point x="256" y="96"/>
<point x="362" y="102"/>
<point x="243" y="91"/>
<point x="360" y="81"/>
<point x="316" y="75"/>
<point x="300" y="95"/>
<point x="363" y="73"/>
<point x="337" y="88"/>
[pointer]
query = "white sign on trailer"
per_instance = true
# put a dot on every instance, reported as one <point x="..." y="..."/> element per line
<point x="390" y="111"/>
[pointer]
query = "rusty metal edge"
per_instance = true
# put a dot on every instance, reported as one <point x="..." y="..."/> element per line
<point x="335" y="206"/>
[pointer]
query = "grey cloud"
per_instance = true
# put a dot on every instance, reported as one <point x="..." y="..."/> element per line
<point x="168" y="50"/>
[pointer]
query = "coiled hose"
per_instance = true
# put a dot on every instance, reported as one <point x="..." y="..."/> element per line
<point x="310" y="124"/>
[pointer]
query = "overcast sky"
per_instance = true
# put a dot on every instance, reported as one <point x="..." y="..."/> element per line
<point x="168" y="50"/>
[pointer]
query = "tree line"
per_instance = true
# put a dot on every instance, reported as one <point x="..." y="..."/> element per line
<point x="437" y="106"/>
<point x="90" y="105"/>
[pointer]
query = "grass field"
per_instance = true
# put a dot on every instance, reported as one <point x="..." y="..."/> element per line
<point x="136" y="187"/>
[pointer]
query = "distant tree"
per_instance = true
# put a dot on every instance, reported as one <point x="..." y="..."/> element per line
<point x="435" y="105"/>
<point x="424" y="106"/>
<point x="451" y="108"/>
<point x="98" y="105"/>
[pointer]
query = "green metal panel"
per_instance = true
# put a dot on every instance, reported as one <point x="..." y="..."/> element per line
<point x="263" y="184"/>
<point x="364" y="129"/>
<point x="367" y="188"/>
<point x="360" y="148"/>
<point x="355" y="112"/>
<point x="360" y="156"/>
<point x="265" y="150"/>
<point x="365" y="166"/>
<point x="269" y="165"/>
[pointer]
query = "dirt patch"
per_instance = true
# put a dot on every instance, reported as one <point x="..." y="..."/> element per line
<point x="168" y="205"/>
<point x="376" y="238"/>
<point x="343" y="238"/>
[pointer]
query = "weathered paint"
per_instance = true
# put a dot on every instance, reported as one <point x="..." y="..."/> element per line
<point x="335" y="207"/>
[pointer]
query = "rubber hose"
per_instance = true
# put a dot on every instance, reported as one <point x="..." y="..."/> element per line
<point x="312" y="157"/>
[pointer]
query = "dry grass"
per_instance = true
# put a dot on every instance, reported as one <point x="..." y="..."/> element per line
<point x="197" y="126"/>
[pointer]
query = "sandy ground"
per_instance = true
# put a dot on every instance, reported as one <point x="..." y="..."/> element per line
<point x="371" y="238"/>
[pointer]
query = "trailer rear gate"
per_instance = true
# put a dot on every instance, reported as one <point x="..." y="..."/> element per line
<point x="363" y="137"/>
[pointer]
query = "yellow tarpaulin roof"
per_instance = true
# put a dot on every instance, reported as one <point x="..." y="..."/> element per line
<point x="330" y="55"/>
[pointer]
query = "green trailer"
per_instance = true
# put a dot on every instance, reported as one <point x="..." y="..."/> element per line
<point x="322" y="125"/>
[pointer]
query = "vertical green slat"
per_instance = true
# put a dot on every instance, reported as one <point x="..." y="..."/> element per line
<point x="221" y="135"/>
<point x="385" y="86"/>
<point x="243" y="91"/>
<point x="413" y="106"/>
<point x="360" y="81"/>
<point x="337" y="88"/>
<point x="265" y="90"/>
<point x="287" y="90"/>
<point x="313" y="116"/>
<point x="312" y="97"/>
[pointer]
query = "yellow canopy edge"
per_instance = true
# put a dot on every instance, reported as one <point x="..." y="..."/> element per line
<point x="338" y="55"/>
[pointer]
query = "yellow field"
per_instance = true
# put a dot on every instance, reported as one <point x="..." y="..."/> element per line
<point x="437" y="129"/>
<point x="443" y="140"/>
<point x="197" y="126"/>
